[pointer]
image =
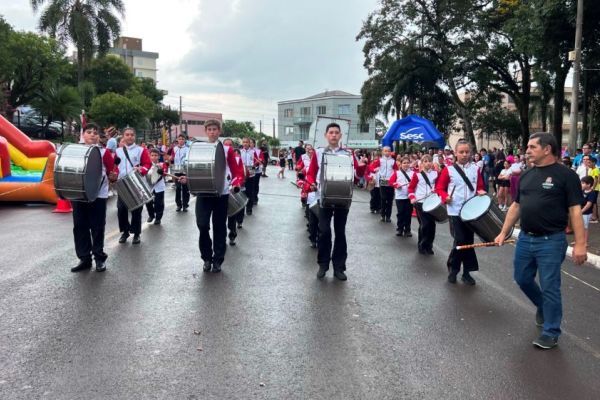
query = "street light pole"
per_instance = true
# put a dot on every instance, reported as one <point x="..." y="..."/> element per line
<point x="576" y="72"/>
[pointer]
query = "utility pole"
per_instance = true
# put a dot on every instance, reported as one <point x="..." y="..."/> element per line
<point x="273" y="127"/>
<point x="576" y="72"/>
<point x="260" y="126"/>
<point x="180" y="115"/>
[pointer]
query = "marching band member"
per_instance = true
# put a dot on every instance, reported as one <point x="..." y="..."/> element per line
<point x="383" y="168"/>
<point x="178" y="158"/>
<point x="310" y="196"/>
<point x="156" y="207"/>
<point x="89" y="219"/>
<point x="400" y="180"/>
<point x="250" y="162"/>
<point x="333" y="136"/>
<point x="235" y="221"/>
<point x="213" y="253"/>
<point x="463" y="180"/>
<point x="259" y="169"/>
<point x="302" y="164"/>
<point x="130" y="157"/>
<point x="373" y="187"/>
<point x="422" y="185"/>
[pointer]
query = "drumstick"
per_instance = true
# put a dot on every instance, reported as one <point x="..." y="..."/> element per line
<point x="452" y="193"/>
<point x="486" y="244"/>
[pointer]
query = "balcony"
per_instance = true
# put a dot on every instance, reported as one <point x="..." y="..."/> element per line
<point x="303" y="120"/>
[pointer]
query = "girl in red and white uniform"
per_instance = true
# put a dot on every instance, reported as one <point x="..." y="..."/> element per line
<point x="259" y="169"/>
<point x="371" y="178"/>
<point x="383" y="168"/>
<point x="400" y="180"/>
<point x="302" y="165"/>
<point x="156" y="207"/>
<point x="235" y="221"/>
<point x="250" y="166"/>
<point x="421" y="185"/>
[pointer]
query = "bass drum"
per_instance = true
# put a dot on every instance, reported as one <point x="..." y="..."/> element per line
<point x="337" y="180"/>
<point x="206" y="168"/>
<point x="433" y="206"/>
<point x="482" y="215"/>
<point x="236" y="203"/>
<point x="133" y="190"/>
<point x="78" y="172"/>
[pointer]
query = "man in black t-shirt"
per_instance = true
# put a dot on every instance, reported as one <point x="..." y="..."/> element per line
<point x="549" y="196"/>
<point x="298" y="151"/>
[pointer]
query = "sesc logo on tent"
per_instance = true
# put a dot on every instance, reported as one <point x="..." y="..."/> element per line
<point x="411" y="136"/>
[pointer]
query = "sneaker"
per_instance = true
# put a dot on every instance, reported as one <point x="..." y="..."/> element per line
<point x="178" y="209"/>
<point x="216" y="267"/>
<point x="136" y="239"/>
<point x="546" y="342"/>
<point x="593" y="221"/>
<point x="207" y="266"/>
<point x="539" y="318"/>
<point x="150" y="219"/>
<point x="123" y="237"/>
<point x="340" y="275"/>
<point x="100" y="266"/>
<point x="468" y="279"/>
<point x="322" y="271"/>
<point x="157" y="222"/>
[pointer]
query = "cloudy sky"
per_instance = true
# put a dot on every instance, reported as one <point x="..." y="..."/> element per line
<point x="240" y="57"/>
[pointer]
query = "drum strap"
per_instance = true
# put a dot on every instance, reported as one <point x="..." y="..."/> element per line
<point x="405" y="175"/>
<point x="127" y="156"/>
<point x="462" y="175"/>
<point x="426" y="179"/>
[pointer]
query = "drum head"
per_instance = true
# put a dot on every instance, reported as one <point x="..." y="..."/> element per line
<point x="93" y="174"/>
<point x="475" y="208"/>
<point x="431" y="202"/>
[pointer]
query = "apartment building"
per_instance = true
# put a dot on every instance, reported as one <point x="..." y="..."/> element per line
<point x="142" y="63"/>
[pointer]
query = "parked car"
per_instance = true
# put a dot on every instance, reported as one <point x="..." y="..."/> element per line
<point x="30" y="123"/>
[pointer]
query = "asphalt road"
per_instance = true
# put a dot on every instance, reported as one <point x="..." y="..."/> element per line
<point x="153" y="326"/>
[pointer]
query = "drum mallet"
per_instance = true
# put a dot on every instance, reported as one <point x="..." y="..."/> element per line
<point x="486" y="244"/>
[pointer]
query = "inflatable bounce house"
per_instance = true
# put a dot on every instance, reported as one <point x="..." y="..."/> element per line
<point x="26" y="167"/>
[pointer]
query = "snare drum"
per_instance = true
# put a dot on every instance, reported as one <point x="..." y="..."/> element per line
<point x="134" y="190"/>
<point x="384" y="182"/>
<point x="433" y="206"/>
<point x="206" y="168"/>
<point x="177" y="169"/>
<point x="337" y="180"/>
<point x="78" y="172"/>
<point x="236" y="203"/>
<point x="484" y="217"/>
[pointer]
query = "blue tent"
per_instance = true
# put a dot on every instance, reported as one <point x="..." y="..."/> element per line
<point x="414" y="129"/>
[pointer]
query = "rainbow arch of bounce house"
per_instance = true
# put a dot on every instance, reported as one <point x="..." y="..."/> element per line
<point x="26" y="167"/>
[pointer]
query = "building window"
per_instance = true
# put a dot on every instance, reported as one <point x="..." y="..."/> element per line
<point x="343" y="109"/>
<point x="289" y="130"/>
<point x="304" y="132"/>
<point x="321" y="110"/>
<point x="288" y="113"/>
<point x="364" y="128"/>
<point x="358" y="109"/>
<point x="305" y="111"/>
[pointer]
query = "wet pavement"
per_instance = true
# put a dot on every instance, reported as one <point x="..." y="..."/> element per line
<point x="154" y="326"/>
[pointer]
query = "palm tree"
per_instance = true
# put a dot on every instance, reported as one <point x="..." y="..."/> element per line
<point x="58" y="103"/>
<point x="91" y="25"/>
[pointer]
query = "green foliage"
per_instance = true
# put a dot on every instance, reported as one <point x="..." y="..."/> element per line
<point x="118" y="110"/>
<point x="164" y="116"/>
<point x="147" y="87"/>
<point x="235" y="129"/>
<point x="58" y="103"/>
<point x="110" y="74"/>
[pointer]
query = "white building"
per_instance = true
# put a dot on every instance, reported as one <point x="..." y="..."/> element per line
<point x="142" y="63"/>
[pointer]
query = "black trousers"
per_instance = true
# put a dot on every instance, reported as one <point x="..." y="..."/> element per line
<point x="404" y="215"/>
<point x="232" y="223"/>
<point x="182" y="194"/>
<point x="250" y="185"/>
<point x="290" y="164"/>
<point x="212" y="250"/>
<point x="426" y="229"/>
<point x="256" y="180"/>
<point x="89" y="220"/>
<point x="156" y="207"/>
<point x="462" y="235"/>
<point x="340" y="248"/>
<point x="135" y="226"/>
<point x="375" y="202"/>
<point x="313" y="225"/>
<point x="387" y="201"/>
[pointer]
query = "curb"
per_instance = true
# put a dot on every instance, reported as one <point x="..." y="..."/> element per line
<point x="592" y="259"/>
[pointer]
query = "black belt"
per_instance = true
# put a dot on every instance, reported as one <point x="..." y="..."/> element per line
<point x="538" y="234"/>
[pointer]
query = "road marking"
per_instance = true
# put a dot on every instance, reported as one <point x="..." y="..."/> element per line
<point x="580" y="280"/>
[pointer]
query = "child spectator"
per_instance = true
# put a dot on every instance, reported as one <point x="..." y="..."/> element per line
<point x="589" y="199"/>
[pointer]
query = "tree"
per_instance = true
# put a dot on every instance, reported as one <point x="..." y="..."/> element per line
<point x="90" y="25"/>
<point x="147" y="87"/>
<point x="58" y="103"/>
<point x="110" y="74"/>
<point x="31" y="63"/>
<point x="118" y="110"/>
<point x="164" y="117"/>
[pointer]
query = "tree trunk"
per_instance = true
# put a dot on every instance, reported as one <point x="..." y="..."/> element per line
<point x="559" y="103"/>
<point x="544" y="114"/>
<point x="525" y="100"/>
<point x="79" y="67"/>
<point x="463" y="112"/>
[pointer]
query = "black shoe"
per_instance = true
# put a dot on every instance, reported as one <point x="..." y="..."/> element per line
<point x="150" y="219"/>
<point x="123" y="237"/>
<point x="185" y="209"/>
<point x="207" y="266"/>
<point x="157" y="221"/>
<point x="382" y="219"/>
<point x="249" y="212"/>
<point x="340" y="275"/>
<point x="539" y="318"/>
<point x="546" y="342"/>
<point x="452" y="277"/>
<point x="422" y="251"/>
<point x="100" y="266"/>
<point x="313" y="245"/>
<point x="398" y="233"/>
<point x="83" y="264"/>
<point x="322" y="271"/>
<point x="136" y="239"/>
<point x="468" y="279"/>
<point x="388" y="220"/>
<point x="178" y="209"/>
<point x="232" y="242"/>
<point x="239" y="226"/>
<point x="408" y="234"/>
<point x="216" y="267"/>
<point x="430" y="252"/>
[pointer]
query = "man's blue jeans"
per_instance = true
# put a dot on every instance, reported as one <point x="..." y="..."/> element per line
<point x="544" y="254"/>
